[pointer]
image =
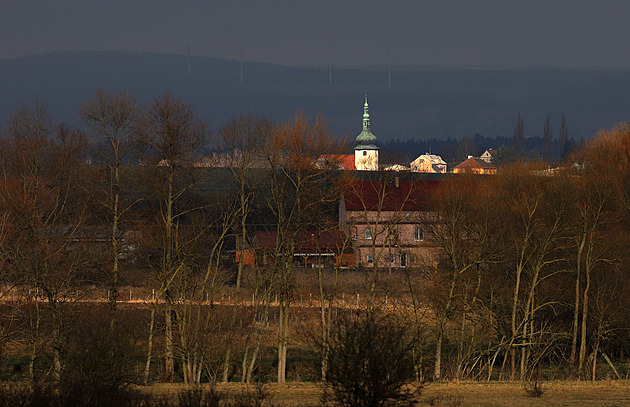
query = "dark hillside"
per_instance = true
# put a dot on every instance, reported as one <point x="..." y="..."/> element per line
<point x="421" y="104"/>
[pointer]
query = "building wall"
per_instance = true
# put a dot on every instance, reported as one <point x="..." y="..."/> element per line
<point x="422" y="166"/>
<point x="366" y="160"/>
<point x="472" y="170"/>
<point x="426" y="164"/>
<point x="391" y="239"/>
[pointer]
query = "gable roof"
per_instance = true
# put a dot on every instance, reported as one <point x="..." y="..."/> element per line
<point x="475" y="162"/>
<point x="432" y="158"/>
<point x="390" y="195"/>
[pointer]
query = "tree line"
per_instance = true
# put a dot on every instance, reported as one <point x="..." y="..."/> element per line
<point x="543" y="148"/>
<point x="530" y="272"/>
<point x="77" y="215"/>
<point x="532" y="268"/>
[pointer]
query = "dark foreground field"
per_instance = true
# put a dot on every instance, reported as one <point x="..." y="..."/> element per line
<point x="556" y="393"/>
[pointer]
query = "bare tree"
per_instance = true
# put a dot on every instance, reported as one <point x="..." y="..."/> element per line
<point x="244" y="139"/>
<point x="195" y="307"/>
<point x="597" y="211"/>
<point x="531" y="230"/>
<point x="173" y="136"/>
<point x="112" y="117"/>
<point x="328" y="289"/>
<point x="463" y="233"/>
<point x="465" y="148"/>
<point x="297" y="193"/>
<point x="52" y="208"/>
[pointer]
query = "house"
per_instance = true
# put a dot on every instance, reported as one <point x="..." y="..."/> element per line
<point x="475" y="165"/>
<point x="311" y="249"/>
<point x="428" y="163"/>
<point x="386" y="221"/>
<point x="489" y="155"/>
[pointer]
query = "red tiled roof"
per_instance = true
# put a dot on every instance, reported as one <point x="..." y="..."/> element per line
<point x="307" y="240"/>
<point x="474" y="162"/>
<point x="345" y="161"/>
<point x="408" y="195"/>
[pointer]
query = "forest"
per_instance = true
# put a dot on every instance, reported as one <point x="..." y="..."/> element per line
<point x="123" y="260"/>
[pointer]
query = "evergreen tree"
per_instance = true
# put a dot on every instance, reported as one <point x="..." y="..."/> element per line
<point x="518" y="140"/>
<point x="547" y="140"/>
<point x="564" y="138"/>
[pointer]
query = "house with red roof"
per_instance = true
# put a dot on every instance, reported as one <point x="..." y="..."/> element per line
<point x="475" y="165"/>
<point x="386" y="219"/>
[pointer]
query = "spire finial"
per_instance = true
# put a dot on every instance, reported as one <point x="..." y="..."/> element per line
<point x="366" y="115"/>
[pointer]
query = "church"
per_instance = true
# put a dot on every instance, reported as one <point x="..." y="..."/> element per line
<point x="365" y="152"/>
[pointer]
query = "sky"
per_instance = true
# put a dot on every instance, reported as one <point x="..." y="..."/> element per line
<point x="481" y="33"/>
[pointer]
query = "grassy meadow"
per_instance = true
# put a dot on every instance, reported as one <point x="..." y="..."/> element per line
<point x="447" y="394"/>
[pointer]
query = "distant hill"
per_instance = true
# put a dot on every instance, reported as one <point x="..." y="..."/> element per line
<point x="421" y="104"/>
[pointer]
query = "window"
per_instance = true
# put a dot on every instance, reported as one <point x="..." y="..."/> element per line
<point x="370" y="258"/>
<point x="368" y="233"/>
<point x="364" y="153"/>
<point x="392" y="258"/>
<point x="418" y="234"/>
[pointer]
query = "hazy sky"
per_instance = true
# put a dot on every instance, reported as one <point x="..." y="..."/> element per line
<point x="296" y="32"/>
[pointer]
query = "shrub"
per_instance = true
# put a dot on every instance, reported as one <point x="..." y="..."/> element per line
<point x="104" y="358"/>
<point x="200" y="397"/>
<point x="446" y="401"/>
<point x="370" y="362"/>
<point x="197" y="397"/>
<point x="534" y="388"/>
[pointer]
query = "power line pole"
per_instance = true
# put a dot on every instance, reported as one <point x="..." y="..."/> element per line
<point x="330" y="63"/>
<point x="241" y="65"/>
<point x="188" y="59"/>
<point x="389" y="70"/>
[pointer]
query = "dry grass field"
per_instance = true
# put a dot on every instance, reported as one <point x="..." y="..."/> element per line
<point x="509" y="394"/>
<point x="609" y="393"/>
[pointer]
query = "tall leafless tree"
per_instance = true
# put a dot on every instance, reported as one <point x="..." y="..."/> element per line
<point x="43" y="165"/>
<point x="297" y="193"/>
<point x="173" y="136"/>
<point x="112" y="118"/>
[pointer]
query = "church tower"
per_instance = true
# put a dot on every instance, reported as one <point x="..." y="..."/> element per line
<point x="366" y="150"/>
